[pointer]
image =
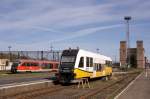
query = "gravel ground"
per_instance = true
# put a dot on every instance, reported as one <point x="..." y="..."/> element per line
<point x="98" y="89"/>
<point x="7" y="78"/>
<point x="78" y="93"/>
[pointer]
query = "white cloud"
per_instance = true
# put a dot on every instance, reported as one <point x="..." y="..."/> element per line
<point x="58" y="14"/>
<point x="54" y="16"/>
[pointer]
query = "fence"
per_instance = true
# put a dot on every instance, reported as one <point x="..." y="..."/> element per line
<point x="36" y="55"/>
<point x="40" y="55"/>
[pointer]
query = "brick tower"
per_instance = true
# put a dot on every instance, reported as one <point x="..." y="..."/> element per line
<point x="123" y="52"/>
<point x="140" y="55"/>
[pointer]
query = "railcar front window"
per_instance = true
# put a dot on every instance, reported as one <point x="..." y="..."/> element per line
<point x="68" y="59"/>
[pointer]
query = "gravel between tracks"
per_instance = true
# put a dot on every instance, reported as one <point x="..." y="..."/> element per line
<point x="99" y="89"/>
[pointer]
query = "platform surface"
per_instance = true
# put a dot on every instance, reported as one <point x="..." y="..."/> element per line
<point x="138" y="89"/>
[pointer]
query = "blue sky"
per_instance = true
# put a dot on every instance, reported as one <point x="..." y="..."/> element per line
<point x="89" y="24"/>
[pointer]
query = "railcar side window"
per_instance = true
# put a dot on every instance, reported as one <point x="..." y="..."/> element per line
<point x="34" y="64"/>
<point x="50" y="66"/>
<point x="47" y="66"/>
<point x="108" y="63"/>
<point x="56" y="65"/>
<point x="24" y="64"/>
<point x="87" y="62"/>
<point x="100" y="67"/>
<point x="91" y="62"/>
<point x="81" y="63"/>
<point x="28" y="64"/>
<point x="97" y="67"/>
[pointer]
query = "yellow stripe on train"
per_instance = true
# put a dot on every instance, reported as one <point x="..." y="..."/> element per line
<point x="79" y="73"/>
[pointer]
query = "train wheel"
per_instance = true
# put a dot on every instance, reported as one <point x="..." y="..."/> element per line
<point x="56" y="82"/>
<point x="105" y="78"/>
<point x="109" y="76"/>
<point x="14" y="71"/>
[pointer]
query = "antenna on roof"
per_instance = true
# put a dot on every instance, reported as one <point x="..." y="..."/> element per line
<point x="69" y="48"/>
<point x="97" y="50"/>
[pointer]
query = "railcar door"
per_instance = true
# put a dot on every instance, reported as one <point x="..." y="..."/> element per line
<point x="94" y="70"/>
<point x="97" y="72"/>
<point x="89" y="64"/>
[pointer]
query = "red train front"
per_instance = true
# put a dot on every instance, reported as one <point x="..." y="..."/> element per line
<point x="34" y="66"/>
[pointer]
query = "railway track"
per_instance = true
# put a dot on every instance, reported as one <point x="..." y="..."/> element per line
<point x="30" y="94"/>
<point x="38" y="92"/>
<point x="96" y="92"/>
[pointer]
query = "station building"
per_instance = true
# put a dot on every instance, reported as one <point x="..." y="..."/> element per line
<point x="136" y="55"/>
<point x="5" y="64"/>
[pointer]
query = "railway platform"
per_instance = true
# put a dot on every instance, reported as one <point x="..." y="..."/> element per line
<point x="137" y="89"/>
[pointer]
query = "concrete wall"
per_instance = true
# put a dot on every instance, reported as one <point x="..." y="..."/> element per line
<point x="4" y="64"/>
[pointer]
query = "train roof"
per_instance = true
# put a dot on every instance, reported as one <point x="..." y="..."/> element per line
<point x="96" y="55"/>
<point x="86" y="53"/>
<point x="32" y="60"/>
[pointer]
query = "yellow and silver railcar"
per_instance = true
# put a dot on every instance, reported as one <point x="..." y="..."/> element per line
<point x="78" y="63"/>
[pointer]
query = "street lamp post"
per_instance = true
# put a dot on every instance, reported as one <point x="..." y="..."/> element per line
<point x="127" y="19"/>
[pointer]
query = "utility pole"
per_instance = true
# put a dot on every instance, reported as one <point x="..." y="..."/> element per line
<point x="115" y="58"/>
<point x="9" y="49"/>
<point x="42" y="55"/>
<point x="127" y="19"/>
<point x="51" y="50"/>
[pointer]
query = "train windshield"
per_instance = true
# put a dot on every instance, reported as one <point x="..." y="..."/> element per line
<point x="68" y="59"/>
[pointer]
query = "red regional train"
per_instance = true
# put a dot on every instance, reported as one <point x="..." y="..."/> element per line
<point x="34" y="66"/>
